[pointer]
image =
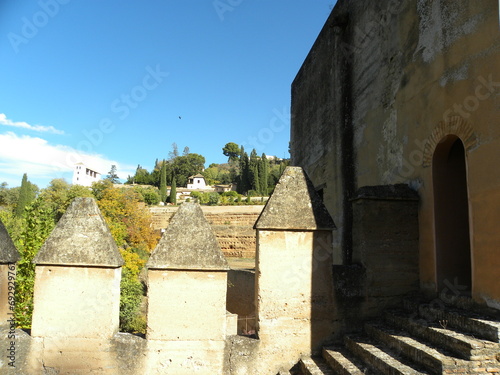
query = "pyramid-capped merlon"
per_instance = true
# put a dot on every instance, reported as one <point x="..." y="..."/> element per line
<point x="8" y="251"/>
<point x="295" y="205"/>
<point x="80" y="238"/>
<point x="188" y="243"/>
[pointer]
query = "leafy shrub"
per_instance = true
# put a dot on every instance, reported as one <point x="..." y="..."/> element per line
<point x="130" y="302"/>
<point x="252" y="193"/>
<point x="213" y="198"/>
<point x="150" y="195"/>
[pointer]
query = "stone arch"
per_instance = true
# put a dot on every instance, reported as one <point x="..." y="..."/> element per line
<point x="451" y="214"/>
<point x="455" y="125"/>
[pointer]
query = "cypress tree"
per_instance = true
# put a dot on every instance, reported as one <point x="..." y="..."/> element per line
<point x="25" y="196"/>
<point x="173" y="192"/>
<point x="243" y="183"/>
<point x="254" y="171"/>
<point x="263" y="174"/>
<point x="163" y="182"/>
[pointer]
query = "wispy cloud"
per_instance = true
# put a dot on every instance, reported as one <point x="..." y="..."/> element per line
<point x="43" y="161"/>
<point x="24" y="125"/>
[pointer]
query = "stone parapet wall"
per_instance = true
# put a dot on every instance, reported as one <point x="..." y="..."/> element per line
<point x="189" y="328"/>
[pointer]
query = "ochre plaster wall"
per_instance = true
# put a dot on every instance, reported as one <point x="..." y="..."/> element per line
<point x="408" y="73"/>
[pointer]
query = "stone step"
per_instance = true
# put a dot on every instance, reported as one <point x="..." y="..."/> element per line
<point x="466" y="303"/>
<point x="468" y="322"/>
<point x="343" y="363"/>
<point x="315" y="366"/>
<point x="459" y="344"/>
<point x="433" y="360"/>
<point x="379" y="358"/>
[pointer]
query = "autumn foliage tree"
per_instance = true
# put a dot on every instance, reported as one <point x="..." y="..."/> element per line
<point x="130" y="225"/>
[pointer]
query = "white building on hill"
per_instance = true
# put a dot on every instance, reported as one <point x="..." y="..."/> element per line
<point x="196" y="182"/>
<point x="84" y="176"/>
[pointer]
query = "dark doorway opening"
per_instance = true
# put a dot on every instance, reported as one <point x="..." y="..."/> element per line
<point x="451" y="215"/>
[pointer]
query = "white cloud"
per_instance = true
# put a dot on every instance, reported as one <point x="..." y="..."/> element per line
<point x="43" y="161"/>
<point x="21" y="124"/>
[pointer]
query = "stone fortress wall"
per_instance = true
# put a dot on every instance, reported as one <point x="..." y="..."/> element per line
<point x="189" y="330"/>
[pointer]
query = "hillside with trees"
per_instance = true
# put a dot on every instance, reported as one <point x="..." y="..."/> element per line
<point x="30" y="214"/>
<point x="253" y="175"/>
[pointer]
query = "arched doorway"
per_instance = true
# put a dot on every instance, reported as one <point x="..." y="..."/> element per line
<point x="451" y="214"/>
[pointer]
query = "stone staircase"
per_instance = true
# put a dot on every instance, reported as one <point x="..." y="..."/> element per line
<point x="420" y="338"/>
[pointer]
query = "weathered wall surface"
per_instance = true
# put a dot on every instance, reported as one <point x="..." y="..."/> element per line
<point x="383" y="84"/>
<point x="189" y="305"/>
<point x="385" y="236"/>
<point x="75" y="290"/>
<point x="289" y="295"/>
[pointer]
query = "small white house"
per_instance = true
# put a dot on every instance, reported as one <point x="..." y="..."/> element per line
<point x="196" y="182"/>
<point x="84" y="176"/>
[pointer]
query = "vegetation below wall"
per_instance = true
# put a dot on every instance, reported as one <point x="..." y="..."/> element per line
<point x="30" y="221"/>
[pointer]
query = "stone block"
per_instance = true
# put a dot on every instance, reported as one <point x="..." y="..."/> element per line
<point x="76" y="302"/>
<point x="186" y="305"/>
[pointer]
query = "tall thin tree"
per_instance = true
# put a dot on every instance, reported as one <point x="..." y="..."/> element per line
<point x="163" y="182"/>
<point x="173" y="192"/>
<point x="25" y="196"/>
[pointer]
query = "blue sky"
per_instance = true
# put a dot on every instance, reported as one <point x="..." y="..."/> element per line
<point x="117" y="82"/>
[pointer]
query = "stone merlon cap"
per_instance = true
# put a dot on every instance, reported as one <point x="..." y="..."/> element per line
<point x="295" y="205"/>
<point x="8" y="251"/>
<point x="188" y="243"/>
<point x="386" y="192"/>
<point x="80" y="238"/>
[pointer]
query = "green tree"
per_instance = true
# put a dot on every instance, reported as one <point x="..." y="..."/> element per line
<point x="8" y="196"/>
<point x="113" y="176"/>
<point x="163" y="182"/>
<point x="213" y="198"/>
<point x="173" y="192"/>
<point x="174" y="153"/>
<point x="254" y="171"/>
<point x="185" y="166"/>
<point x="57" y="196"/>
<point x="141" y="177"/>
<point x="211" y="175"/>
<point x="243" y="180"/>
<point x="155" y="175"/>
<point x="263" y="174"/>
<point x="27" y="194"/>
<point x="38" y="225"/>
<point x="131" y="293"/>
<point x="149" y="194"/>
<point x="232" y="151"/>
<point x="99" y="187"/>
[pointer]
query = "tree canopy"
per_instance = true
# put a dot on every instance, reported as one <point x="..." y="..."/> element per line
<point x="113" y="176"/>
<point x="232" y="151"/>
